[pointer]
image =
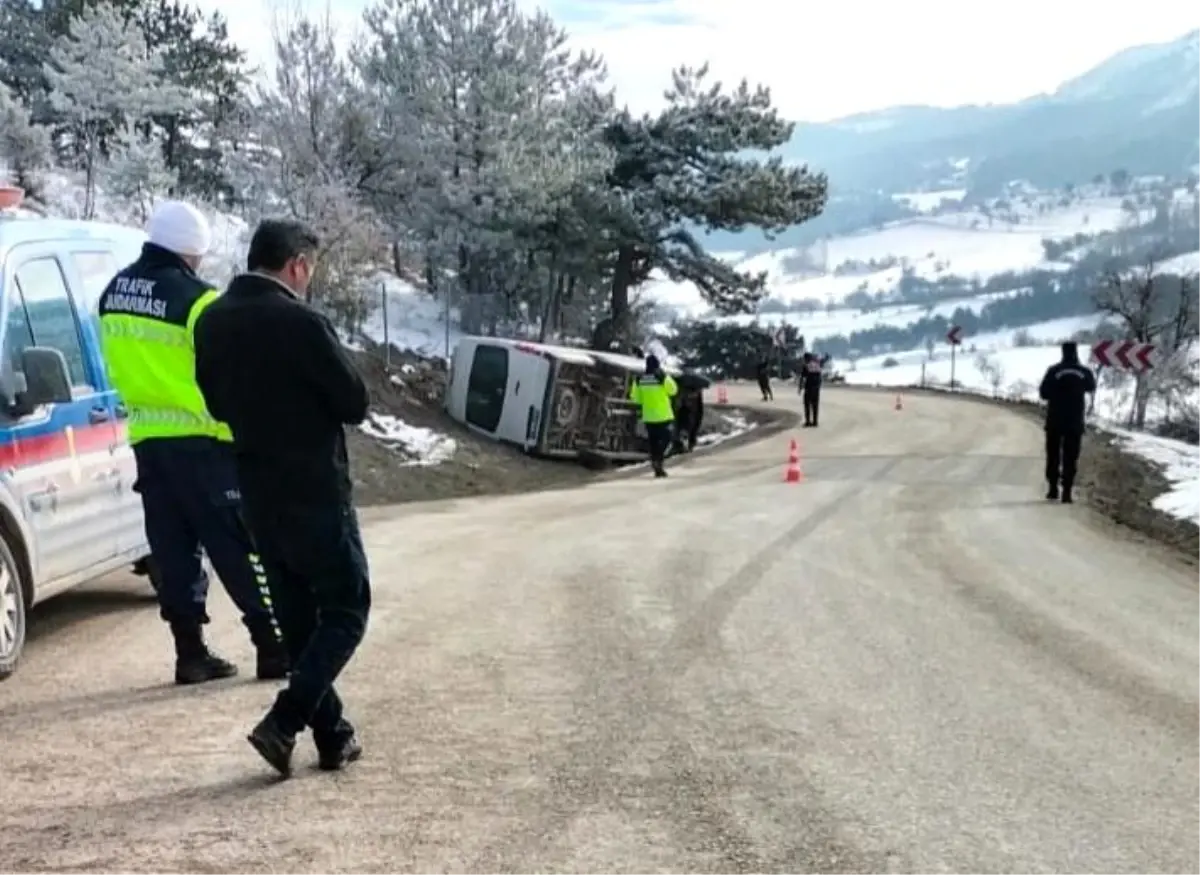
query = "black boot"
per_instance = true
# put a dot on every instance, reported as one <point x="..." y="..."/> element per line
<point x="271" y="663"/>
<point x="1052" y="492"/>
<point x="1066" y="495"/>
<point x="273" y="744"/>
<point x="339" y="750"/>
<point x="194" y="662"/>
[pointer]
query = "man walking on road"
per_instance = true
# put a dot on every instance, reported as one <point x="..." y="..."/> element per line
<point x="763" y="372"/>
<point x="185" y="468"/>
<point x="1064" y="389"/>
<point x="654" y="392"/>
<point x="275" y="370"/>
<point x="810" y="386"/>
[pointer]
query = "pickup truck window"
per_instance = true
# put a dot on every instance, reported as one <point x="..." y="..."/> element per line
<point x="49" y="315"/>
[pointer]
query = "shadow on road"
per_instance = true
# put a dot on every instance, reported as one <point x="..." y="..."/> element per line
<point x="107" y="596"/>
<point x="107" y="701"/>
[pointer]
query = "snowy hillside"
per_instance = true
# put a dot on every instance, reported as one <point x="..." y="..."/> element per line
<point x="968" y="242"/>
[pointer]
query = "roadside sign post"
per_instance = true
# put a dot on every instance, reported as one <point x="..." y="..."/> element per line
<point x="1131" y="356"/>
<point x="954" y="338"/>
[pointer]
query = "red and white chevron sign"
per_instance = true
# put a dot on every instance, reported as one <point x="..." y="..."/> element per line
<point x="1128" y="355"/>
<point x="954" y="335"/>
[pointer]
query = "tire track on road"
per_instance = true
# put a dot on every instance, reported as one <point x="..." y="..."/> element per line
<point x="625" y="698"/>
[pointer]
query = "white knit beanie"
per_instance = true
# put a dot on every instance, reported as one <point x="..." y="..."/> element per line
<point x="180" y="228"/>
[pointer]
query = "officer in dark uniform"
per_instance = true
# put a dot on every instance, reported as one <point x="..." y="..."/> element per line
<point x="1064" y="389"/>
<point x="185" y="468"/>
<point x="810" y="386"/>
<point x="275" y="370"/>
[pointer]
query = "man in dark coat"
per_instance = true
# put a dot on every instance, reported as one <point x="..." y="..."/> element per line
<point x="810" y="387"/>
<point x="689" y="412"/>
<point x="1064" y="389"/>
<point x="274" y="369"/>
<point x="763" y="371"/>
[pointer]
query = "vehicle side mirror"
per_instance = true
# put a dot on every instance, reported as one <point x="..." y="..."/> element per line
<point x="47" y="380"/>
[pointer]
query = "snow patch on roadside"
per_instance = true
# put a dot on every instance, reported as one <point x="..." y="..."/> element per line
<point x="1180" y="464"/>
<point x="419" y="446"/>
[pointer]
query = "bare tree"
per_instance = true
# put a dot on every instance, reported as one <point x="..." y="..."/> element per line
<point x="1154" y="308"/>
<point x="991" y="371"/>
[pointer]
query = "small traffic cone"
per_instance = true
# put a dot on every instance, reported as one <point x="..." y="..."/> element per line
<point x="793" y="474"/>
<point x="899" y="402"/>
<point x="722" y="394"/>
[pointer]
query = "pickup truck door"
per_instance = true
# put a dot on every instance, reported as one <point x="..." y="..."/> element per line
<point x="61" y="454"/>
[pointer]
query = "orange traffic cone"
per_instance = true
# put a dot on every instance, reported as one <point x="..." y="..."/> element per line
<point x="793" y="474"/>
<point x="899" y="402"/>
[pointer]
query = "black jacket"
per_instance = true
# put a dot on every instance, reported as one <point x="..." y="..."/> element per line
<point x="811" y="375"/>
<point x="274" y="370"/>
<point x="1063" y="389"/>
<point x="159" y="285"/>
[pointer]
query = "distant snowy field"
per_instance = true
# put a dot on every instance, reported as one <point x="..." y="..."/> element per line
<point x="968" y="244"/>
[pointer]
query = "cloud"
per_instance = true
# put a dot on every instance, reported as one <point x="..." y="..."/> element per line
<point x="820" y="60"/>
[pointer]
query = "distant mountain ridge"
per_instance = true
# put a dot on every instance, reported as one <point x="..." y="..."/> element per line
<point x="1138" y="111"/>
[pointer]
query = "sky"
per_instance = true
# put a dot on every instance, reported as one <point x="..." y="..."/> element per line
<point x="821" y="60"/>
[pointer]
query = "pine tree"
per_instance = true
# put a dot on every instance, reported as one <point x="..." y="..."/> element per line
<point x="198" y="58"/>
<point x="137" y="172"/>
<point x="100" y="71"/>
<point x="303" y="128"/>
<point x="686" y="170"/>
<point x="25" y="148"/>
<point x="24" y="43"/>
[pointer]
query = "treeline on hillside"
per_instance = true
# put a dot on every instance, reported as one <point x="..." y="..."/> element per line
<point x="733" y="352"/>
<point x="730" y="348"/>
<point x="460" y="142"/>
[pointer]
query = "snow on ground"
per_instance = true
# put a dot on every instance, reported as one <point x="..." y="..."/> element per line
<point x="1182" y="265"/>
<point x="735" y="424"/>
<point x="966" y="243"/>
<point x="419" y="446"/>
<point x="927" y="201"/>
<point x="414" y="320"/>
<point x="1180" y="464"/>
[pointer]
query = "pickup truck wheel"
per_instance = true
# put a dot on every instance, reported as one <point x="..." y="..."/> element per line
<point x="12" y="612"/>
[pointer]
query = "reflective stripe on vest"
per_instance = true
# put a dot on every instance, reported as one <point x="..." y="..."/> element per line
<point x="152" y="365"/>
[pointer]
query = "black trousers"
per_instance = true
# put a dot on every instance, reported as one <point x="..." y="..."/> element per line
<point x="659" y="436"/>
<point x="764" y="385"/>
<point x="812" y="405"/>
<point x="1062" y="455"/>
<point x="320" y="586"/>
<point x="191" y="500"/>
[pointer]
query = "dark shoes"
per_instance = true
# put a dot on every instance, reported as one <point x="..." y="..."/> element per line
<point x="1052" y="494"/>
<point x="276" y="746"/>
<point x="202" y="667"/>
<point x="273" y="744"/>
<point x="337" y="757"/>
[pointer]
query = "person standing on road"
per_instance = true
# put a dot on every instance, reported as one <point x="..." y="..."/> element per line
<point x="1064" y="388"/>
<point x="185" y="470"/>
<point x="810" y="387"/>
<point x="654" y="392"/>
<point x="275" y="370"/>
<point x="763" y="372"/>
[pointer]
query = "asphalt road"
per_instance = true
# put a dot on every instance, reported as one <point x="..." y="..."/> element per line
<point x="908" y="662"/>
